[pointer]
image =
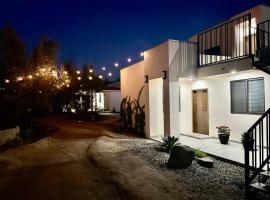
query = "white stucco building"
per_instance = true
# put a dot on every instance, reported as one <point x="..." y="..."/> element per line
<point x="206" y="81"/>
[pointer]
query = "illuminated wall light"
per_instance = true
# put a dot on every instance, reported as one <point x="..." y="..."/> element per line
<point x="103" y="68"/>
<point x="100" y="76"/>
<point x="141" y="54"/>
<point x="110" y="74"/>
<point x="116" y="64"/>
<point x="79" y="78"/>
<point x="90" y="78"/>
<point x="78" y="72"/>
<point x="19" y="78"/>
<point x="129" y="60"/>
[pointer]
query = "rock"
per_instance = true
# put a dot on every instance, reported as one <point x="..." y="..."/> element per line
<point x="181" y="157"/>
<point x="205" y="162"/>
<point x="8" y="135"/>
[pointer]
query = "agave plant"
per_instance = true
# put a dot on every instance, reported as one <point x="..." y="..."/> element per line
<point x="168" y="143"/>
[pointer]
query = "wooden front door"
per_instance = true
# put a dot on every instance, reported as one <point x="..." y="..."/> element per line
<point x="200" y="112"/>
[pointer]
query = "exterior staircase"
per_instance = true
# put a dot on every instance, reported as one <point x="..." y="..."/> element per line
<point x="257" y="138"/>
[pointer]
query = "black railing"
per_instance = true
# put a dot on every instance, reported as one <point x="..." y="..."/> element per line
<point x="263" y="41"/>
<point x="257" y="151"/>
<point x="228" y="41"/>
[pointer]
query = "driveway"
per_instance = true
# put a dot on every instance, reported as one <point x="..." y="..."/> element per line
<point x="57" y="167"/>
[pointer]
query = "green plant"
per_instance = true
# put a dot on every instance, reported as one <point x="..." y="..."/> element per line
<point x="168" y="143"/>
<point x="129" y="113"/>
<point x="122" y="118"/>
<point x="139" y="115"/>
<point x="223" y="130"/>
<point x="199" y="153"/>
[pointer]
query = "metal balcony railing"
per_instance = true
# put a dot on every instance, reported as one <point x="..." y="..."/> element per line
<point x="228" y="41"/>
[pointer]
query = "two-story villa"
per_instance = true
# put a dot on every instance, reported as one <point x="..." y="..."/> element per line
<point x="217" y="77"/>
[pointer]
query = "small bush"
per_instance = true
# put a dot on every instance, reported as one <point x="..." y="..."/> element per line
<point x="168" y="143"/>
<point x="199" y="153"/>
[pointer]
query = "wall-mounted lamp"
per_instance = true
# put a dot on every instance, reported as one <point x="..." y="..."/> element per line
<point x="164" y="74"/>
<point x="146" y="79"/>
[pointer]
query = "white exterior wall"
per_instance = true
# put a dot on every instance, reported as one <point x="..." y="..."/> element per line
<point x="219" y="103"/>
<point x="112" y="99"/>
<point x="132" y="80"/>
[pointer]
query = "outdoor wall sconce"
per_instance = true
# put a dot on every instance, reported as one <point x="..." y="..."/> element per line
<point x="164" y="74"/>
<point x="146" y="79"/>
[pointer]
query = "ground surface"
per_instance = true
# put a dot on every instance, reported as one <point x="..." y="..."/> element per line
<point x="86" y="161"/>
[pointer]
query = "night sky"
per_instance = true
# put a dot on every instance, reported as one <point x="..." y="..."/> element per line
<point x="103" y="32"/>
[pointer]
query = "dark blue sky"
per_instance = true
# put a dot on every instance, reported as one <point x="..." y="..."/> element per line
<point x="103" y="32"/>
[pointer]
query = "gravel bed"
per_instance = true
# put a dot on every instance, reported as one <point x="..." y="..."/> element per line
<point x="224" y="181"/>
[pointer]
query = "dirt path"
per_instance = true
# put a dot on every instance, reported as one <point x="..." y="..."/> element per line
<point x="82" y="161"/>
<point x="56" y="167"/>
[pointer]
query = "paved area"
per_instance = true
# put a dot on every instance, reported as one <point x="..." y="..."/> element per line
<point x="232" y="151"/>
<point x="57" y="167"/>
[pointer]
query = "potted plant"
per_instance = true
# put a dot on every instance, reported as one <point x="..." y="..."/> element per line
<point x="223" y="134"/>
<point x="250" y="144"/>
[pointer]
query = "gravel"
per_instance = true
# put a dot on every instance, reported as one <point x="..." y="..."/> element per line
<point x="224" y="181"/>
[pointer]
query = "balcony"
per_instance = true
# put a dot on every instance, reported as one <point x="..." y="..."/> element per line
<point x="232" y="40"/>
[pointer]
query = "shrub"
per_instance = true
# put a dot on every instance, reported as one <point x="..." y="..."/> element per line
<point x="199" y="153"/>
<point x="168" y="143"/>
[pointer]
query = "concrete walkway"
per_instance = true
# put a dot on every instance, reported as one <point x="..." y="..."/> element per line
<point x="232" y="151"/>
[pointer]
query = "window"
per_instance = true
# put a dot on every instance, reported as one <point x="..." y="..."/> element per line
<point x="247" y="96"/>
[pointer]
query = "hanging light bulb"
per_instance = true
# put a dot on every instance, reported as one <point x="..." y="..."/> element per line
<point x="20" y="78"/>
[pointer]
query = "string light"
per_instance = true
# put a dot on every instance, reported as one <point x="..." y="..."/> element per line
<point x="129" y="60"/>
<point x="19" y="78"/>
<point x="30" y="77"/>
<point x="78" y="72"/>
<point x="91" y="70"/>
<point x="103" y="68"/>
<point x="6" y="81"/>
<point x="142" y="54"/>
<point x="90" y="78"/>
<point x="65" y="72"/>
<point x="100" y="76"/>
<point x="79" y="78"/>
<point x="110" y="74"/>
<point x="116" y="64"/>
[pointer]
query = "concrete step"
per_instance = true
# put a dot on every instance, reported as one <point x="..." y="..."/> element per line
<point x="265" y="173"/>
<point x="261" y="187"/>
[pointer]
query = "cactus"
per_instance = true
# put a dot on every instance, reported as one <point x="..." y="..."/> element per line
<point x="122" y="118"/>
<point x="139" y="115"/>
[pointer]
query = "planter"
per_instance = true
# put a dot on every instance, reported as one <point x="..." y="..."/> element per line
<point x="250" y="145"/>
<point x="223" y="138"/>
